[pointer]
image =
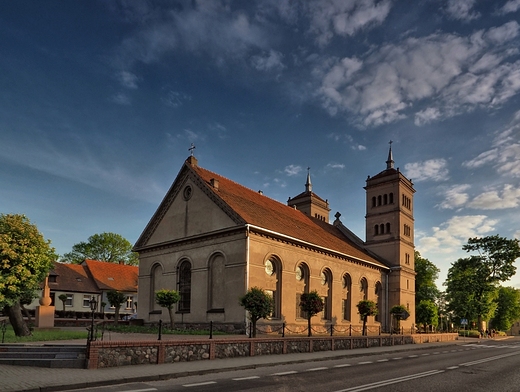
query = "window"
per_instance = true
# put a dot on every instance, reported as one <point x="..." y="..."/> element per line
<point x="299" y="312"/>
<point x="388" y="227"/>
<point x="70" y="300"/>
<point x="363" y="288"/>
<point x="382" y="228"/>
<point x="347" y="298"/>
<point x="391" y="198"/>
<point x="52" y="278"/>
<point x="407" y="230"/>
<point x="376" y="229"/>
<point x="129" y="301"/>
<point x="185" y="286"/>
<point x="272" y="294"/>
<point x="407" y="258"/>
<point x="385" y="199"/>
<point x="379" y="200"/>
<point x="217" y="281"/>
<point x="155" y="285"/>
<point x="378" y="293"/>
<point x="407" y="202"/>
<point x="373" y="201"/>
<point x="86" y="301"/>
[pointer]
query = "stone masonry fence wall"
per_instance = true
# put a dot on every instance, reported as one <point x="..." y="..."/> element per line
<point x="102" y="354"/>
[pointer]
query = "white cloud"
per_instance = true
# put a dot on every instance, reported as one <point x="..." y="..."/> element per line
<point x="452" y="234"/>
<point x="269" y="61"/>
<point x="510" y="6"/>
<point x="462" y="9"/>
<point x="128" y="79"/>
<point x="455" y="197"/>
<point x="457" y="73"/>
<point x="340" y="166"/>
<point x="175" y="99"/>
<point x="504" y="155"/>
<point x="346" y="17"/>
<point x="495" y="199"/>
<point x="432" y="169"/>
<point x="121" y="99"/>
<point x="426" y="116"/>
<point x="292" y="170"/>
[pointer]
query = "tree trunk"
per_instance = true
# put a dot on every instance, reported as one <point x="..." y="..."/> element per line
<point x="20" y="327"/>
<point x="116" y="316"/>
<point x="253" y="332"/>
<point x="364" y="333"/>
<point x="170" y="311"/>
<point x="309" y="327"/>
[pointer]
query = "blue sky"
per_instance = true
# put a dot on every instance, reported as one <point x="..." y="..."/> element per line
<point x="100" y="101"/>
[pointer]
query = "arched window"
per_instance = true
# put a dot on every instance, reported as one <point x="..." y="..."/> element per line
<point x="379" y="200"/>
<point x="391" y="197"/>
<point x="217" y="280"/>
<point x="388" y="228"/>
<point x="347" y="297"/>
<point x="373" y="201"/>
<point x="376" y="229"/>
<point x="363" y="288"/>
<point x="155" y="281"/>
<point x="184" y="275"/>
<point x="326" y="280"/>
<point x="382" y="228"/>
<point x="273" y="269"/>
<point x="302" y="286"/>
<point x="385" y="199"/>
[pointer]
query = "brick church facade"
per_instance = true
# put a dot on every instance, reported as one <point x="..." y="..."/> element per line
<point x="212" y="239"/>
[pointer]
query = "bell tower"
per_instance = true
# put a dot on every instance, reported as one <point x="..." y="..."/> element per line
<point x="310" y="203"/>
<point x="390" y="232"/>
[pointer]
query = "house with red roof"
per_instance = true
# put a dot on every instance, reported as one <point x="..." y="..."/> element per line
<point x="92" y="279"/>
<point x="212" y="239"/>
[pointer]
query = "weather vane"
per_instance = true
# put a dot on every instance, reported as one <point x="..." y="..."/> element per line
<point x="191" y="149"/>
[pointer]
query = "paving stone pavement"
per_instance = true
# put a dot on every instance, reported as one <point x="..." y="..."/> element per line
<point x="24" y="378"/>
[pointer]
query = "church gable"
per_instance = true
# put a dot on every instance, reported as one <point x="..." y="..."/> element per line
<point x="190" y="208"/>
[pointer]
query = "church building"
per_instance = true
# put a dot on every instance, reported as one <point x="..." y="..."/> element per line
<point x="212" y="239"/>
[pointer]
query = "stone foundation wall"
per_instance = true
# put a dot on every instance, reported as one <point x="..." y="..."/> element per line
<point x="102" y="354"/>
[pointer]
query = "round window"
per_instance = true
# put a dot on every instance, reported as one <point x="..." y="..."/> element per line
<point x="187" y="192"/>
<point x="269" y="268"/>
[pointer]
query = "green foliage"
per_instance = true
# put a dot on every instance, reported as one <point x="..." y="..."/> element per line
<point x="311" y="303"/>
<point x="472" y="283"/>
<point x="167" y="298"/>
<point x="258" y="303"/>
<point x="367" y="308"/>
<point x="116" y="298"/>
<point x="426" y="313"/>
<point x="109" y="247"/>
<point x="427" y="273"/>
<point x="63" y="299"/>
<point x="25" y="258"/>
<point x="508" y="308"/>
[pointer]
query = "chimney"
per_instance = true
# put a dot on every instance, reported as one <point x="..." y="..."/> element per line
<point x="261" y="192"/>
<point x="214" y="183"/>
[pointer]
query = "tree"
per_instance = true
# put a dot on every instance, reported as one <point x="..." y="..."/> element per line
<point x="63" y="299"/>
<point x="115" y="299"/>
<point x="399" y="312"/>
<point x="427" y="273"/>
<point x="312" y="304"/>
<point x="259" y="304"/>
<point x="366" y="308"/>
<point x="25" y="260"/>
<point x="109" y="247"/>
<point x="167" y="299"/>
<point x="508" y="308"/>
<point x="472" y="282"/>
<point x="426" y="313"/>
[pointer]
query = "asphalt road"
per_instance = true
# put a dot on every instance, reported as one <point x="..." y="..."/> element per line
<point x="486" y="366"/>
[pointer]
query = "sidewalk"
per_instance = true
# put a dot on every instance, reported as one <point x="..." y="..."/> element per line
<point x="23" y="378"/>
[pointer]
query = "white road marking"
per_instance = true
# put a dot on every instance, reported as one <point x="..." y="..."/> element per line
<point x="364" y="363"/>
<point x="284" y="373"/>
<point x="342" y="365"/>
<point x="245" y="378"/>
<point x="316" y="369"/>
<point x="199" y="384"/>
<point x="382" y="360"/>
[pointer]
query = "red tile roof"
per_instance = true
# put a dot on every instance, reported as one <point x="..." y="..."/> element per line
<point x="259" y="210"/>
<point x="72" y="278"/>
<point x="110" y="276"/>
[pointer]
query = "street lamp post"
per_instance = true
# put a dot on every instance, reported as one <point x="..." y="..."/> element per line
<point x="93" y="307"/>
